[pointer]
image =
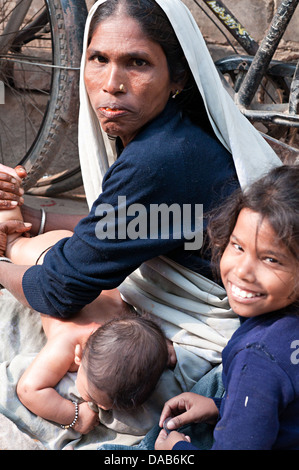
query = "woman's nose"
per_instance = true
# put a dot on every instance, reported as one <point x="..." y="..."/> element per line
<point x="113" y="81"/>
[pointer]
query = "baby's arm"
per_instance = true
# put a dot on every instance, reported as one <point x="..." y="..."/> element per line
<point x="36" y="390"/>
<point x="26" y="251"/>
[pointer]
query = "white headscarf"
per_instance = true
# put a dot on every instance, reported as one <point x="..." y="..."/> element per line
<point x="194" y="311"/>
<point x="251" y="154"/>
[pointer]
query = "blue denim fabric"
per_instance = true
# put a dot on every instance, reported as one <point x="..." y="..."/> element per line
<point x="201" y="434"/>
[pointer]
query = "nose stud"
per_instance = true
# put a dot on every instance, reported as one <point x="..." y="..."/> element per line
<point x="121" y="87"/>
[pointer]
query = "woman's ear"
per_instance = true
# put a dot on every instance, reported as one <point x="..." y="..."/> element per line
<point x="78" y="354"/>
<point x="178" y="85"/>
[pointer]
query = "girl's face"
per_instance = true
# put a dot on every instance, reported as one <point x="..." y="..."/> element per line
<point x="126" y="77"/>
<point x="257" y="270"/>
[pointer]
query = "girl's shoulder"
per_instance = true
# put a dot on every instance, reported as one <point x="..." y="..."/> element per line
<point x="274" y="335"/>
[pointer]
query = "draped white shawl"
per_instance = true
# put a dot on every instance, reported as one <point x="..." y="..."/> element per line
<point x="193" y="310"/>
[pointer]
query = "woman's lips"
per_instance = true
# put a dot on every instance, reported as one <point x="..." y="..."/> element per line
<point x="112" y="112"/>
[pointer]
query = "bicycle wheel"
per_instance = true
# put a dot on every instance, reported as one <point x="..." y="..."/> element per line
<point x="273" y="90"/>
<point x="57" y="183"/>
<point x="40" y="48"/>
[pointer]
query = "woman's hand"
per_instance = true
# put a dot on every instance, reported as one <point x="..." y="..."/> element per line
<point x="167" y="441"/>
<point x="8" y="228"/>
<point x="88" y="419"/>
<point x="188" y="408"/>
<point x="10" y="186"/>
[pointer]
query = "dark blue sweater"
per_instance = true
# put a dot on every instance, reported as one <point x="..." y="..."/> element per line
<point x="260" y="410"/>
<point x="170" y="161"/>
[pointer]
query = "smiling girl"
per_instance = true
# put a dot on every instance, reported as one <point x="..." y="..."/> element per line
<point x="255" y="239"/>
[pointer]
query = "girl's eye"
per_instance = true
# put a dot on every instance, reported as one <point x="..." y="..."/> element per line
<point x="237" y="247"/>
<point x="271" y="260"/>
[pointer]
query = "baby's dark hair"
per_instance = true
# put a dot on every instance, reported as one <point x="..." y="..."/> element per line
<point x="275" y="197"/>
<point x="125" y="358"/>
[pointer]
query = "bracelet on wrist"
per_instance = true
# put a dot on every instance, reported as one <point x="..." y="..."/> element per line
<point x="68" y="426"/>
<point x="42" y="221"/>
<point x="6" y="260"/>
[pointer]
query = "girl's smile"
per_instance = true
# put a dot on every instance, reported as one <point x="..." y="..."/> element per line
<point x="257" y="270"/>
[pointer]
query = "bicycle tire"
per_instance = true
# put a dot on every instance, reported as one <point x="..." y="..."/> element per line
<point x="277" y="78"/>
<point x="66" y="24"/>
<point x="57" y="183"/>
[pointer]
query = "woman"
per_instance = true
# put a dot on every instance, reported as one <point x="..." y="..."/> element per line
<point x="168" y="134"/>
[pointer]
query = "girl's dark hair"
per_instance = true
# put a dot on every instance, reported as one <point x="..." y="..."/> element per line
<point x="157" y="28"/>
<point x="275" y="197"/>
<point x="125" y="358"/>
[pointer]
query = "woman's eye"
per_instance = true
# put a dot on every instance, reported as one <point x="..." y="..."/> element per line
<point x="97" y="58"/>
<point x="138" y="62"/>
<point x="100" y="59"/>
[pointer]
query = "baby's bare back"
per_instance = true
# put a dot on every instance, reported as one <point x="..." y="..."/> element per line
<point x="106" y="306"/>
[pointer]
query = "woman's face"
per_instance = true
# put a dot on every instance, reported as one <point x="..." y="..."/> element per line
<point x="126" y="77"/>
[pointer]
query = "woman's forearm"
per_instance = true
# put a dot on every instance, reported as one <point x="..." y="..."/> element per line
<point x="11" y="276"/>
<point x="54" y="221"/>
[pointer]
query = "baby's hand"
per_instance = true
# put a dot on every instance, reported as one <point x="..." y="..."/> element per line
<point x="167" y="441"/>
<point x="88" y="419"/>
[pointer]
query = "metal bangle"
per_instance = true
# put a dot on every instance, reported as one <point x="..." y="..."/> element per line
<point x="42" y="222"/>
<point x="68" y="426"/>
<point x="6" y="260"/>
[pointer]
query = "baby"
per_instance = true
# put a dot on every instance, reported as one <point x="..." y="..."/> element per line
<point x="118" y="364"/>
<point x="118" y="354"/>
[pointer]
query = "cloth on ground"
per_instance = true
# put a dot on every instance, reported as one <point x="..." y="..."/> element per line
<point x="21" y="338"/>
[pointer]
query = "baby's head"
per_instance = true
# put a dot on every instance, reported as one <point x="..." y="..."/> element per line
<point x="122" y="362"/>
<point x="259" y="226"/>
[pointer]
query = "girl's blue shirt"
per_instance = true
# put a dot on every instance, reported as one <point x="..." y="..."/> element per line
<point x="260" y="409"/>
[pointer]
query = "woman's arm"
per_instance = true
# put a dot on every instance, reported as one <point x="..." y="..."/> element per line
<point x="11" y="193"/>
<point x="11" y="276"/>
<point x="54" y="221"/>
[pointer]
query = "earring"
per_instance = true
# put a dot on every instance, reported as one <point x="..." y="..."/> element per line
<point x="176" y="93"/>
<point x="121" y="87"/>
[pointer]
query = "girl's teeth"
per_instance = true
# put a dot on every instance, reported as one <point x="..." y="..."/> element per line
<point x="243" y="293"/>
